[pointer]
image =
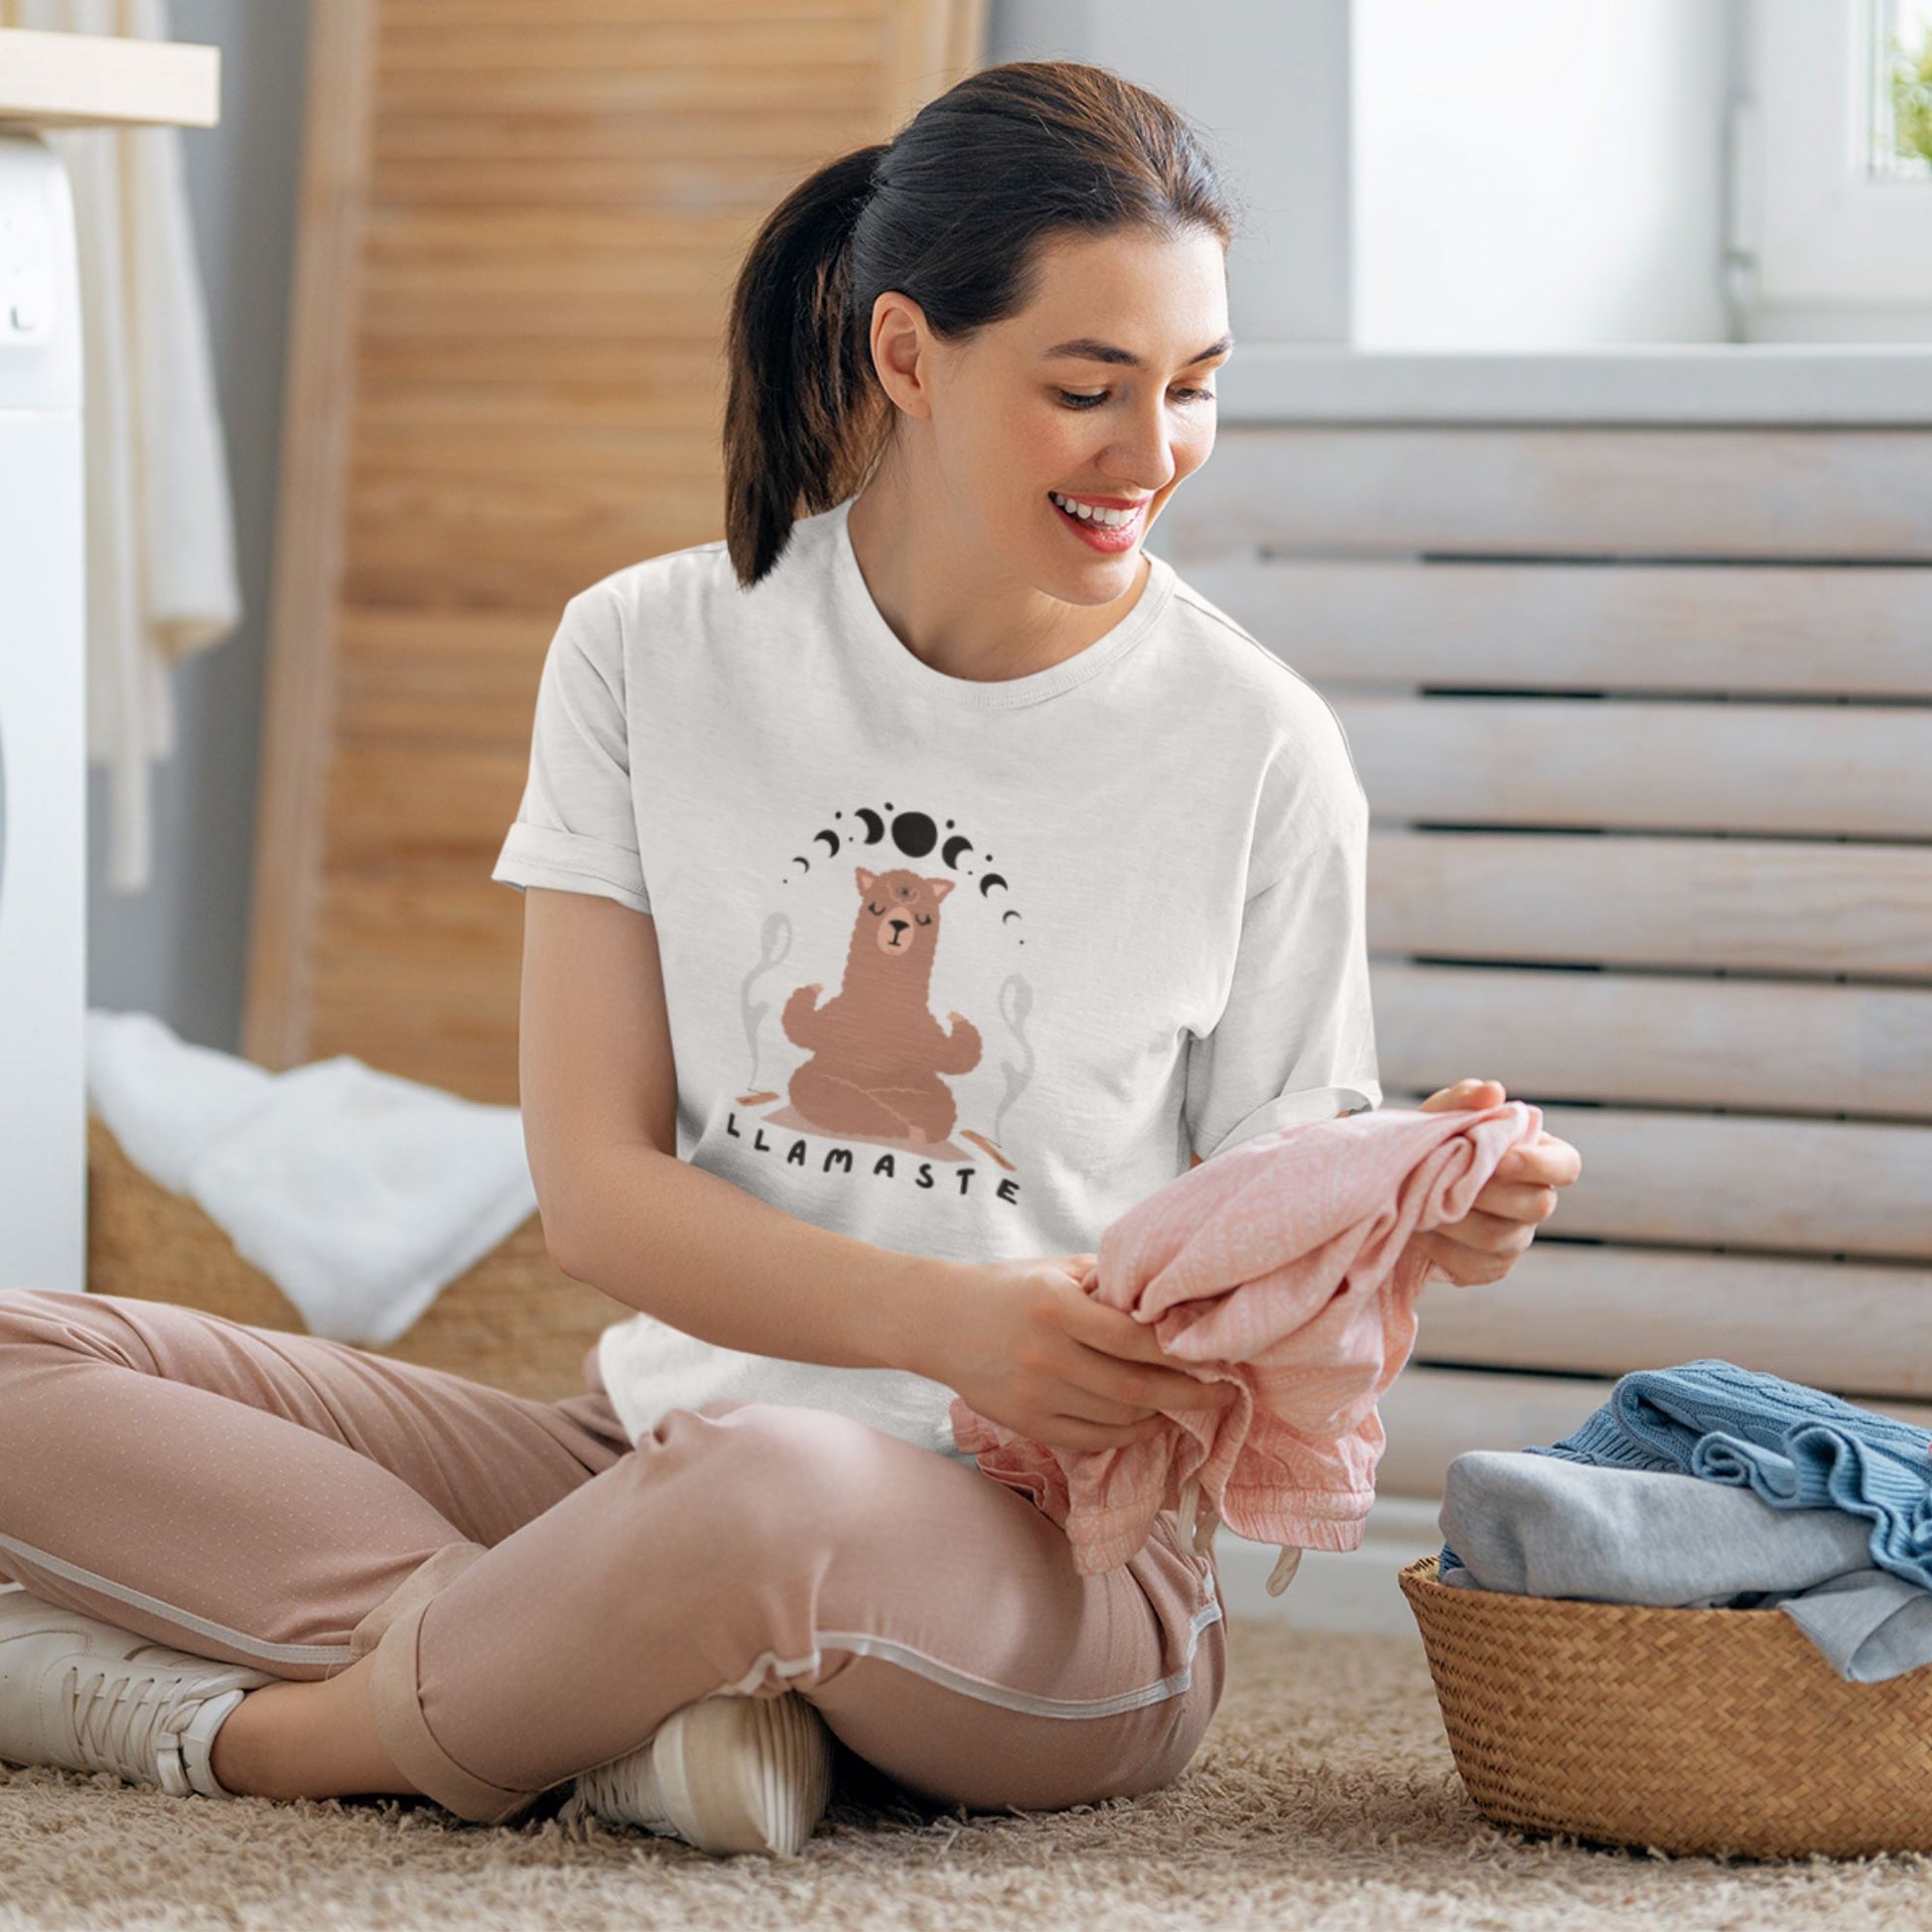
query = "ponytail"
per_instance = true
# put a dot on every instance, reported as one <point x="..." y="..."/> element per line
<point x="799" y="393"/>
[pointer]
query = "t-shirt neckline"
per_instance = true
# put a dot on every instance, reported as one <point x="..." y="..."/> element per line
<point x="992" y="694"/>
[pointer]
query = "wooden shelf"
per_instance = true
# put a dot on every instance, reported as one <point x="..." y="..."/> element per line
<point x="103" y="80"/>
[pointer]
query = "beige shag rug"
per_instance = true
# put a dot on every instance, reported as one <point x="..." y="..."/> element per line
<point x="1324" y="1796"/>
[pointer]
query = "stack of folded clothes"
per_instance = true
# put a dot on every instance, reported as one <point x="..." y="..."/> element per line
<point x="1711" y="1486"/>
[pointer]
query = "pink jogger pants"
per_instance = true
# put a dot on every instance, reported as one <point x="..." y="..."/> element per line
<point x="541" y="1596"/>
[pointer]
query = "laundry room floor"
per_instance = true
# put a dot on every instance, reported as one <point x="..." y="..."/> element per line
<point x="1324" y="1796"/>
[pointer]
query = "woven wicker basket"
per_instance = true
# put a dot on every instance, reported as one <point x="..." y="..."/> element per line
<point x="514" y="1321"/>
<point x="1714" y="1731"/>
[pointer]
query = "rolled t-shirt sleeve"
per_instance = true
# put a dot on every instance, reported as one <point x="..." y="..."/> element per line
<point x="1296" y="1038"/>
<point x="576" y="829"/>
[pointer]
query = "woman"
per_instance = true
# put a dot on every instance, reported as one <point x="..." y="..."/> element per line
<point x="982" y="874"/>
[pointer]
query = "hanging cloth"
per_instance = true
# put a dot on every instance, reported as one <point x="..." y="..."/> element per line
<point x="161" y="580"/>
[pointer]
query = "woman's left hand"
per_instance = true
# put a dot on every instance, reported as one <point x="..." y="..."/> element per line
<point x="1502" y="1220"/>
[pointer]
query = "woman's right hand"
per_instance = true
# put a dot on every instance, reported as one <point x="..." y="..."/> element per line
<point x="1026" y="1344"/>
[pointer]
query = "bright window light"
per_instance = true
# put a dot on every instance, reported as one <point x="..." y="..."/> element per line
<point x="1899" y="145"/>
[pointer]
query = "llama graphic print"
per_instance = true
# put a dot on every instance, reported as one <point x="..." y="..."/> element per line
<point x="877" y="1055"/>
<point x="875" y="1058"/>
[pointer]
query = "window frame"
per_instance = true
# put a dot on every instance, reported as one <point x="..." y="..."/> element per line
<point x="1829" y="230"/>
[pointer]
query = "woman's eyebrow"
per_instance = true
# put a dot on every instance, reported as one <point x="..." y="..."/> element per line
<point x="1085" y="349"/>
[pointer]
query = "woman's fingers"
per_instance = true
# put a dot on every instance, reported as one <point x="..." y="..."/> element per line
<point x="1513" y="1200"/>
<point x="1073" y="1432"/>
<point x="1486" y="1234"/>
<point x="1089" y="1405"/>
<point x="1464" y="1093"/>
<point x="1546" y="1159"/>
<point x="1119" y="1361"/>
<point x="1113" y="1331"/>
<point x="1144" y="1388"/>
<point x="1470" y="1267"/>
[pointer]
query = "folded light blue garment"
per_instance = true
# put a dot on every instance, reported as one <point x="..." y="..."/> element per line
<point x="1547" y="1526"/>
<point x="1868" y="1622"/>
<point x="1796" y="1447"/>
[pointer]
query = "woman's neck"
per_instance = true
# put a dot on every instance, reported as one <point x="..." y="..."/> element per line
<point x="955" y="615"/>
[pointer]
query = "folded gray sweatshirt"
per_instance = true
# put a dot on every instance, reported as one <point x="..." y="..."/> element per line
<point x="1543" y="1526"/>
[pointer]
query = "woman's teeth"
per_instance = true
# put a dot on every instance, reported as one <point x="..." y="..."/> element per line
<point x="1106" y="520"/>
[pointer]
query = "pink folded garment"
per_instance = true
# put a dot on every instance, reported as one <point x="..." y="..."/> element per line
<point x="1281" y="1265"/>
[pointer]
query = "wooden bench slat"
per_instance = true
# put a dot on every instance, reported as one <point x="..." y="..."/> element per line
<point x="1367" y="489"/>
<point x="1659" y="1038"/>
<point x="1604" y="1310"/>
<point x="1863" y="631"/>
<point x="1823" y="769"/>
<point x="1751" y="905"/>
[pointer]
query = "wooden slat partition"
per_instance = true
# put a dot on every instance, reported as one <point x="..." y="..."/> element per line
<point x="1623" y="627"/>
<point x="521" y="224"/>
<point x="1645" y="720"/>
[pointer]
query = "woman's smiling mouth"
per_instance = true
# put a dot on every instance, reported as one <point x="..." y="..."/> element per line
<point x="1107" y="529"/>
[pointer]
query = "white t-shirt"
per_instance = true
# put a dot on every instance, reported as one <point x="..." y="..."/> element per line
<point x="963" y="969"/>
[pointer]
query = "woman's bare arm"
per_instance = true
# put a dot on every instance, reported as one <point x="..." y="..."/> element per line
<point x="621" y="1213"/>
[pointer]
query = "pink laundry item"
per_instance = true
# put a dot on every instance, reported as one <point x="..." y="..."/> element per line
<point x="1281" y="1265"/>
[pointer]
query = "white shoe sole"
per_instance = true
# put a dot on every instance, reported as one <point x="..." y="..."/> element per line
<point x="727" y="1773"/>
<point x="743" y="1774"/>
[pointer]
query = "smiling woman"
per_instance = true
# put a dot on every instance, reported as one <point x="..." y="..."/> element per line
<point x="915" y="885"/>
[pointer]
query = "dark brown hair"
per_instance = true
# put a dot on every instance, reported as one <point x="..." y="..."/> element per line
<point x="952" y="213"/>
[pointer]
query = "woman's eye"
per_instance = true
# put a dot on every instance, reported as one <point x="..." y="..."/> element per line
<point x="1077" y="399"/>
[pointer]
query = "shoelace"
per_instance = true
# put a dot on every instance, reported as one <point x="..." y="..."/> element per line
<point x="122" y="1725"/>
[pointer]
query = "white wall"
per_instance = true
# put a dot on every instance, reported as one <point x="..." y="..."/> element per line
<point x="1267" y="83"/>
<point x="1529" y="175"/>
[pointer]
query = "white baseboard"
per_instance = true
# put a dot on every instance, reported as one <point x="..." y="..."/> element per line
<point x="1357" y="1591"/>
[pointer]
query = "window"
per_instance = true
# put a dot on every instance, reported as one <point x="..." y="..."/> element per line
<point x="1898" y="118"/>
<point x="1832" y="212"/>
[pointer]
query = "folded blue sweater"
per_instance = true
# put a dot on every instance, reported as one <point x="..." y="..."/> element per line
<point x="1796" y="1446"/>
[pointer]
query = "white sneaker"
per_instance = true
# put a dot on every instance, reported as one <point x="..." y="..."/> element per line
<point x="84" y="1695"/>
<point x="728" y="1773"/>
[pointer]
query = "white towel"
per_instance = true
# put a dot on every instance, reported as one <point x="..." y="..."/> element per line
<point x="360" y="1195"/>
<point x="165" y="1098"/>
<point x="160" y="536"/>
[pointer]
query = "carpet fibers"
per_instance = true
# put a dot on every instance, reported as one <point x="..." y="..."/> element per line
<point x="1324" y="1796"/>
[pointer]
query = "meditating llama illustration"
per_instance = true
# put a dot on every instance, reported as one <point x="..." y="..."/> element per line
<point x="877" y="1055"/>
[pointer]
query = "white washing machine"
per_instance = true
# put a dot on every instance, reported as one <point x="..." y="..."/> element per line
<point x="43" y="730"/>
